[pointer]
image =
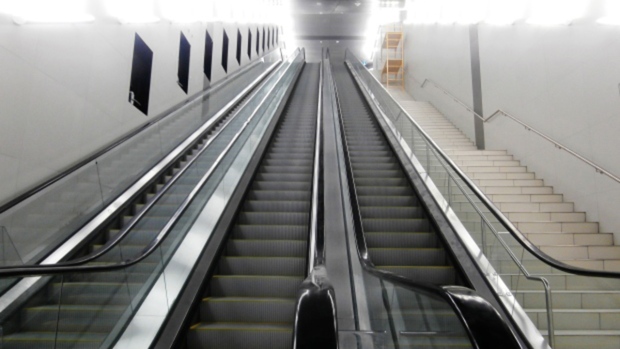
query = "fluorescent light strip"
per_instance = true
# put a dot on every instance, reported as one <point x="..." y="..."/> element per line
<point x="45" y="11"/>
<point x="132" y="11"/>
<point x="556" y="12"/>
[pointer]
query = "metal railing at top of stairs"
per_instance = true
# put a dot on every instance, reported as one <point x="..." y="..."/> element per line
<point x="466" y="303"/>
<point x="528" y="127"/>
<point x="81" y="266"/>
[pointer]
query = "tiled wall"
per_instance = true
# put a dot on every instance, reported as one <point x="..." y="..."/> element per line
<point x="561" y="80"/>
<point x="64" y="89"/>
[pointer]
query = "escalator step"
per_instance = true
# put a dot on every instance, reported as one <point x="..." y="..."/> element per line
<point x="407" y="256"/>
<point x="245" y="265"/>
<point x="224" y="335"/>
<point x="279" y="195"/>
<point x="254" y="286"/>
<point x="404" y="240"/>
<point x="395" y="225"/>
<point x="274" y="218"/>
<point x="273" y="185"/>
<point x="270" y="232"/>
<point x="276" y="206"/>
<point x="402" y="212"/>
<point x="245" y="309"/>
<point x="267" y="248"/>
<point x="387" y="200"/>
<point x="384" y="190"/>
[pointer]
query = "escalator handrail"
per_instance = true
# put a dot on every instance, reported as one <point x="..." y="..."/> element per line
<point x="167" y="113"/>
<point x="512" y="230"/>
<point x="110" y="244"/>
<point x="463" y="306"/>
<point x="316" y="252"/>
<point x="316" y="324"/>
<point x="37" y="270"/>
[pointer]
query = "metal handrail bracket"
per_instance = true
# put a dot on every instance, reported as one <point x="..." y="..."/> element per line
<point x="528" y="127"/>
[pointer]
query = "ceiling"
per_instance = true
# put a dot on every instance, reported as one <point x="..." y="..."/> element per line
<point x="336" y="24"/>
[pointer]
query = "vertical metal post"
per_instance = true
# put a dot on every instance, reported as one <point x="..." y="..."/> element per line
<point x="449" y="190"/>
<point x="483" y="239"/>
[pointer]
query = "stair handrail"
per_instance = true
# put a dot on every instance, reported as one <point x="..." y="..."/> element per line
<point x="498" y="112"/>
<point x="466" y="303"/>
<point x="316" y="324"/>
<point x="81" y="267"/>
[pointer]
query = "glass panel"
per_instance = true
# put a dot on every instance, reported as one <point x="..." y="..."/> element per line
<point x="515" y="273"/>
<point x="410" y="318"/>
<point x="39" y="224"/>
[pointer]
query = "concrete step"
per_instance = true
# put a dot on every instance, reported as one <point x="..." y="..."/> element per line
<point x="577" y="319"/>
<point x="567" y="299"/>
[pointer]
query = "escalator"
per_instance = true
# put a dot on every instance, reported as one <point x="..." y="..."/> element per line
<point x="411" y="289"/>
<point x="252" y="293"/>
<point x="399" y="235"/>
<point x="89" y="309"/>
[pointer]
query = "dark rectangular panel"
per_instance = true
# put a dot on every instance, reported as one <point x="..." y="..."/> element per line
<point x="225" y="52"/>
<point x="268" y="37"/>
<point x="184" y="54"/>
<point x="239" y="39"/>
<point x="257" y="41"/>
<point x="141" y="70"/>
<point x="208" y="56"/>
<point x="264" y="39"/>
<point x="250" y="43"/>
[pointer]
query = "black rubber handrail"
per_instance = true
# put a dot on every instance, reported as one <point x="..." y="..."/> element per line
<point x="170" y="111"/>
<point x="316" y="324"/>
<point x="37" y="270"/>
<point x="485" y="327"/>
<point x="512" y="230"/>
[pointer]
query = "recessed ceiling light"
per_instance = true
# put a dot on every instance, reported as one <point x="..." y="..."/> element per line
<point x="337" y="41"/>
<point x="319" y="4"/>
<point x="357" y="3"/>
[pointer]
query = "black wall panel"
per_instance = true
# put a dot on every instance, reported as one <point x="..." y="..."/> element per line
<point x="141" y="70"/>
<point x="183" y="71"/>
<point x="225" y="52"/>
<point x="239" y="39"/>
<point x="208" y="63"/>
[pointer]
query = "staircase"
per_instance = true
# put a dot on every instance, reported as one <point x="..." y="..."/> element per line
<point x="586" y="310"/>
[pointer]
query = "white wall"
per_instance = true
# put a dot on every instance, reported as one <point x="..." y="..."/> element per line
<point x="561" y="80"/>
<point x="440" y="53"/>
<point x="64" y="89"/>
